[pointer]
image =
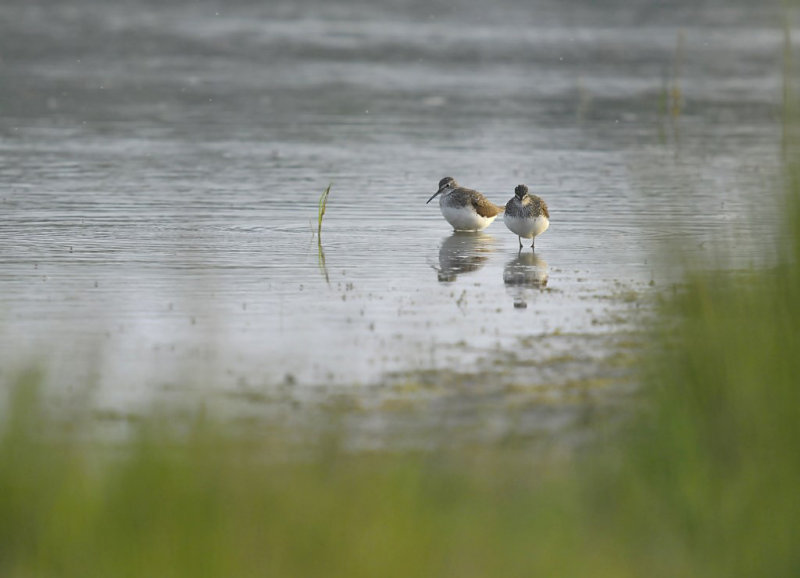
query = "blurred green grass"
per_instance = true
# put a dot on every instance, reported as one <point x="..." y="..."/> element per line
<point x="705" y="483"/>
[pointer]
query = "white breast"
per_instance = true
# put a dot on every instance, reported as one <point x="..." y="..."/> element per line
<point x="526" y="228"/>
<point x="465" y="218"/>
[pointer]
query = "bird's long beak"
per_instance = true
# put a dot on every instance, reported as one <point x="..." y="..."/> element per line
<point x="434" y="195"/>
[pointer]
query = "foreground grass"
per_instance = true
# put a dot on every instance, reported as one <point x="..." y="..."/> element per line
<point x="204" y="504"/>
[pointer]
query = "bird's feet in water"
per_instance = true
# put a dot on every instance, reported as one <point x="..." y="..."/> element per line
<point x="533" y="242"/>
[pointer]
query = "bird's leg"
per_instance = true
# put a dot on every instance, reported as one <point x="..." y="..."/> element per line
<point x="532" y="242"/>
<point x="520" y="242"/>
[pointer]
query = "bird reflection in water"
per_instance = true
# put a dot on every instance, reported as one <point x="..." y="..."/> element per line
<point x="523" y="276"/>
<point x="463" y="252"/>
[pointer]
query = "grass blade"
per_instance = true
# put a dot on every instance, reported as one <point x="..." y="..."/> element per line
<point x="323" y="203"/>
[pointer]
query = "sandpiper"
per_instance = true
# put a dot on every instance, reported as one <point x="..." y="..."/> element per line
<point x="465" y="209"/>
<point x="526" y="215"/>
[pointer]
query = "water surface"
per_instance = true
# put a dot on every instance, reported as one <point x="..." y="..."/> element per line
<point x="160" y="167"/>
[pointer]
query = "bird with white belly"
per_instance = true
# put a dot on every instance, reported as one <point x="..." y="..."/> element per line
<point x="526" y="215"/>
<point x="465" y="209"/>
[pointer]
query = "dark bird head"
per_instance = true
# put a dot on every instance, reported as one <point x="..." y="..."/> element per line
<point x="446" y="184"/>
<point x="446" y="181"/>
<point x="521" y="191"/>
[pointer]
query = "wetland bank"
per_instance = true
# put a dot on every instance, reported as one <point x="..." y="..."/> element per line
<point x="224" y="387"/>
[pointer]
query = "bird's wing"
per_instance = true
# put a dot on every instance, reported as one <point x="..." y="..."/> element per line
<point x="545" y="212"/>
<point x="484" y="207"/>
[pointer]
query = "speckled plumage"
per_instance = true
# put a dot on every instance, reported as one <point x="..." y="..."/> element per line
<point x="465" y="209"/>
<point x="526" y="215"/>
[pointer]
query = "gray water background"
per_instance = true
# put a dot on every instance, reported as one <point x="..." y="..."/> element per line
<point x="161" y="163"/>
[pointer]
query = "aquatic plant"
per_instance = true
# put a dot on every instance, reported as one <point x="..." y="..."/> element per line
<point x="675" y="95"/>
<point x="323" y="203"/>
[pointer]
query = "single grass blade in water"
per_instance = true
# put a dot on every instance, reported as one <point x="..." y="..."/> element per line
<point x="323" y="202"/>
<point x="321" y="263"/>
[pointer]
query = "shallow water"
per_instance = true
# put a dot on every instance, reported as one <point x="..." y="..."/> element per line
<point x="160" y="168"/>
